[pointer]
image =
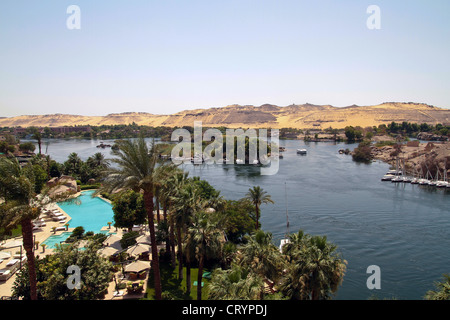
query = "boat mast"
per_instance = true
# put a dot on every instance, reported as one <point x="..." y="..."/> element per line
<point x="287" y="216"/>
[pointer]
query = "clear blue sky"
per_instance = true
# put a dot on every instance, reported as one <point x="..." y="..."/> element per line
<point x="165" y="56"/>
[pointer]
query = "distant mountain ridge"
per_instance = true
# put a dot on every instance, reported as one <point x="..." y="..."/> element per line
<point x="267" y="115"/>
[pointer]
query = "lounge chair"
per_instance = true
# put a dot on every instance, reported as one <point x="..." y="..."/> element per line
<point x="5" y="274"/>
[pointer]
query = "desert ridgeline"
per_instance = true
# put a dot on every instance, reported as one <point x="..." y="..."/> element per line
<point x="264" y="116"/>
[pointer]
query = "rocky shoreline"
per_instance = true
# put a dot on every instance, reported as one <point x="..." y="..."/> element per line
<point x="417" y="157"/>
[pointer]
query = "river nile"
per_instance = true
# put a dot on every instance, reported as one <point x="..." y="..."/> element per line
<point x="402" y="228"/>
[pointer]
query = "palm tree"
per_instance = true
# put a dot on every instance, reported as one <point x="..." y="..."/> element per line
<point x="442" y="290"/>
<point x="21" y="206"/>
<point x="237" y="283"/>
<point x="36" y="134"/>
<point x="207" y="237"/>
<point x="315" y="272"/>
<point x="97" y="161"/>
<point x="187" y="201"/>
<point x="261" y="256"/>
<point x="136" y="170"/>
<point x="169" y="190"/>
<point x="18" y="211"/>
<point x="258" y="196"/>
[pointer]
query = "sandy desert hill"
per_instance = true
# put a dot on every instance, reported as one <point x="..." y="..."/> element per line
<point x="267" y="115"/>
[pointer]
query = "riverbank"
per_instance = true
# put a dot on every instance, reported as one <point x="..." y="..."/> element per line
<point x="416" y="155"/>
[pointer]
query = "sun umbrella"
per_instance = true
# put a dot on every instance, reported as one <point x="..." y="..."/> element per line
<point x="113" y="241"/>
<point x="108" y="251"/>
<point x="138" y="249"/>
<point x="137" y="266"/>
<point x="143" y="239"/>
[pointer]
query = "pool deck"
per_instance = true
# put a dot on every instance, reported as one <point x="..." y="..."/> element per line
<point x="40" y="235"/>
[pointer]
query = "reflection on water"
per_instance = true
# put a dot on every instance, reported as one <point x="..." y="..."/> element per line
<point x="403" y="228"/>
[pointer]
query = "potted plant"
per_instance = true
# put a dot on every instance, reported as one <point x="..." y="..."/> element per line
<point x="109" y="224"/>
<point x="43" y="247"/>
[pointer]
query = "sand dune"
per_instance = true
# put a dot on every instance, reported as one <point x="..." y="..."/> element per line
<point x="270" y="116"/>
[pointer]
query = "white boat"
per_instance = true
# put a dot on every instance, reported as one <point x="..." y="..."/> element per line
<point x="240" y="161"/>
<point x="255" y="161"/>
<point x="394" y="172"/>
<point x="282" y="243"/>
<point x="387" y="177"/>
<point x="301" y="151"/>
<point x="414" y="181"/>
<point x="423" y="182"/>
<point x="406" y="179"/>
<point x="442" y="183"/>
<point x="397" y="179"/>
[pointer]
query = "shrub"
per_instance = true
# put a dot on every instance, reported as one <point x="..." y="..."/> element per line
<point x="363" y="153"/>
<point x="128" y="239"/>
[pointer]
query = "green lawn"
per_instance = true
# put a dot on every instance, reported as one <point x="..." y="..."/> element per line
<point x="15" y="233"/>
<point x="171" y="283"/>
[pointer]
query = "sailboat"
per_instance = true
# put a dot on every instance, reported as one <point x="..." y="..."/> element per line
<point x="397" y="177"/>
<point x="442" y="183"/>
<point x="285" y="239"/>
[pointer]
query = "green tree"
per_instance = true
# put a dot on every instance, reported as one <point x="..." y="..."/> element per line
<point x="27" y="147"/>
<point x="442" y="291"/>
<point x="315" y="268"/>
<point x="95" y="272"/>
<point x="20" y="206"/>
<point x="36" y="134"/>
<point x="258" y="196"/>
<point x="135" y="170"/>
<point x="237" y="283"/>
<point x="206" y="236"/>
<point x="240" y="219"/>
<point x="129" y="209"/>
<point x="261" y="256"/>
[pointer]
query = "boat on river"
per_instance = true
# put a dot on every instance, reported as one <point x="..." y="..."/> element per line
<point x="301" y="151"/>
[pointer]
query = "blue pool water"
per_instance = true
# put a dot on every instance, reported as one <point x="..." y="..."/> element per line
<point x="90" y="213"/>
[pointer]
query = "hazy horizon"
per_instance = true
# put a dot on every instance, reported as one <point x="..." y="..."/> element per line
<point x="164" y="57"/>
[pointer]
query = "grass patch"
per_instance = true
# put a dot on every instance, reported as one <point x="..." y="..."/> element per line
<point x="17" y="232"/>
<point x="380" y="144"/>
<point x="174" y="287"/>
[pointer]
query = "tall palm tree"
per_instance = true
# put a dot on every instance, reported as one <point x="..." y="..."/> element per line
<point x="258" y="196"/>
<point x="18" y="211"/>
<point x="136" y="169"/>
<point x="37" y="135"/>
<point x="21" y="206"/>
<point x="207" y="237"/>
<point x="187" y="201"/>
<point x="171" y="187"/>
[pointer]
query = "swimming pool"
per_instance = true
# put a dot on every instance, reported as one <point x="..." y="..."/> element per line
<point x="91" y="213"/>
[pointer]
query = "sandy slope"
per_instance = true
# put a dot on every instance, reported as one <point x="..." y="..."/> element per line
<point x="271" y="116"/>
